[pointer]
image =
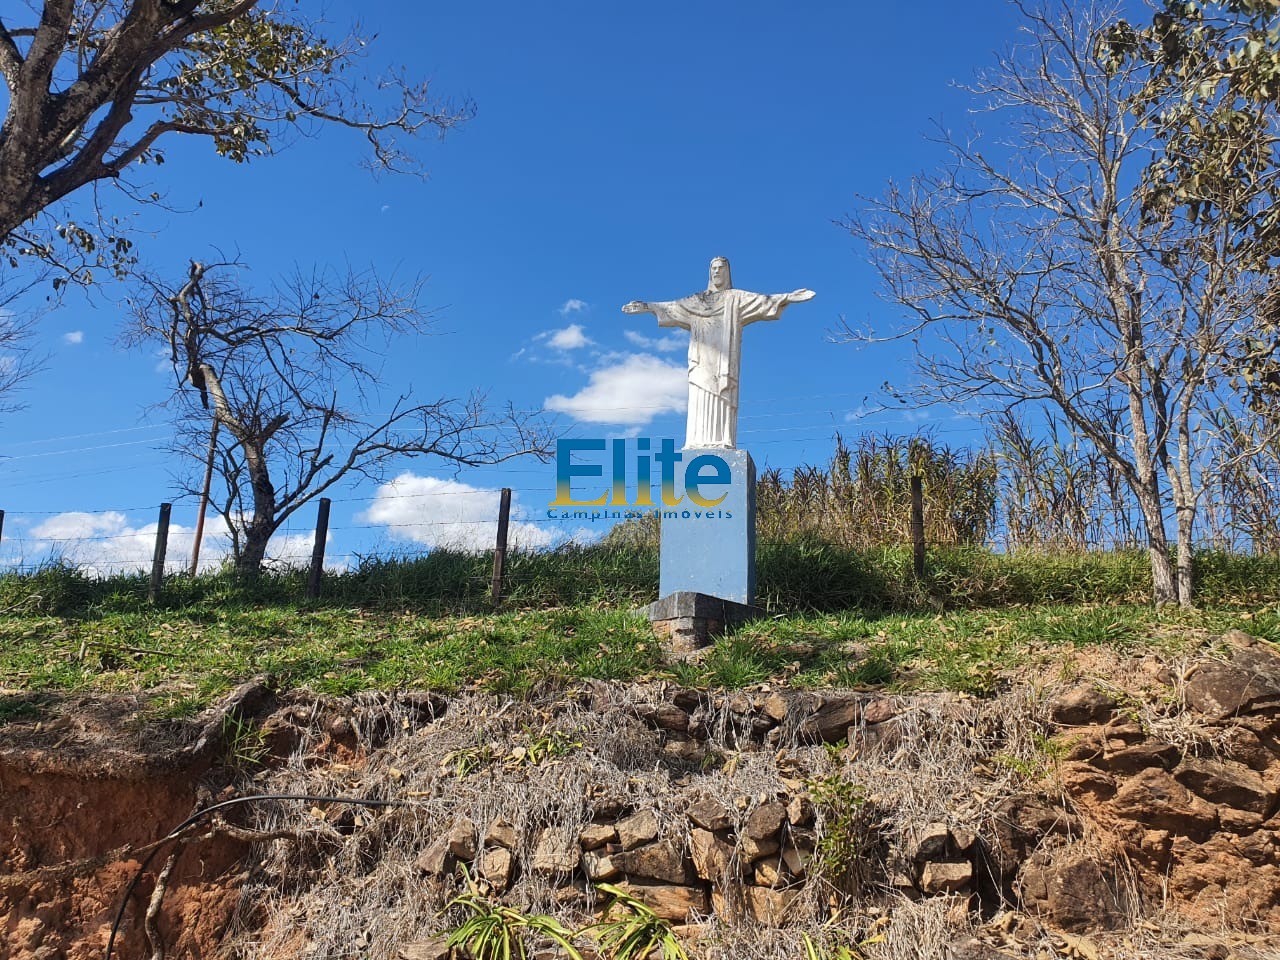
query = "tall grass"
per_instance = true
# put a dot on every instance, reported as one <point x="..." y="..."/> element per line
<point x="829" y="538"/>
<point x="1055" y="493"/>
<point x="862" y="497"/>
<point x="795" y="575"/>
<point x="1047" y="492"/>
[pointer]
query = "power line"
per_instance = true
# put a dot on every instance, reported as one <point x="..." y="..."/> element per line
<point x="83" y="436"/>
<point x="29" y="479"/>
<point x="59" y="453"/>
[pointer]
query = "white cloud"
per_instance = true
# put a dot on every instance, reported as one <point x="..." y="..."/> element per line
<point x="73" y="337"/>
<point x="449" y="514"/>
<point x="571" y="337"/>
<point x="630" y="392"/>
<point x="573" y="305"/>
<point x="662" y="344"/>
<point x="105" y="543"/>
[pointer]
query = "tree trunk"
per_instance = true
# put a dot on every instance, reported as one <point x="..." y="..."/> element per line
<point x="1186" y="525"/>
<point x="1164" y="586"/>
<point x="252" y="553"/>
<point x="10" y="210"/>
<point x="258" y="531"/>
<point x="1181" y="481"/>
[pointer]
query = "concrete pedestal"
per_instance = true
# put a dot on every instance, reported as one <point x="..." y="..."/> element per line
<point x="686" y="622"/>
<point x="713" y="550"/>
<point x="708" y="559"/>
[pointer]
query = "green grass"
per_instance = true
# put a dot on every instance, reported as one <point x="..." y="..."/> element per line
<point x="185" y="658"/>
<point x="853" y="619"/>
<point x="801" y="574"/>
<point x="197" y="656"/>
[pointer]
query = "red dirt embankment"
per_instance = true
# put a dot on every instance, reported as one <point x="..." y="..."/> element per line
<point x="84" y="793"/>
<point x="1135" y="804"/>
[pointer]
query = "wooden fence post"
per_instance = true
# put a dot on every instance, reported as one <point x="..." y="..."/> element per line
<point x="500" y="546"/>
<point x="317" y="551"/>
<point x="917" y="524"/>
<point x="204" y="497"/>
<point x="157" y="558"/>
<point x="1" y="526"/>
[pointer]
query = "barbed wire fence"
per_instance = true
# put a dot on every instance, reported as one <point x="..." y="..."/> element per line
<point x="153" y="548"/>
<point x="153" y="545"/>
<point x="912" y="518"/>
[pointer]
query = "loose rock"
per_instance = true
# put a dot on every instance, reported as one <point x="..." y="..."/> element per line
<point x="800" y="811"/>
<point x="945" y="877"/>
<point x="711" y="815"/>
<point x="1081" y="704"/>
<point x="638" y="828"/>
<point x="1156" y="800"/>
<point x="1072" y="892"/>
<point x="435" y="860"/>
<point x="711" y="856"/>
<point x="771" y="908"/>
<point x="1140" y="757"/>
<point x="878" y="711"/>
<point x="766" y="821"/>
<point x="1220" y="690"/>
<point x="833" y="718"/>
<point x="663" y="862"/>
<point x="433" y="949"/>
<point x="1226" y="782"/>
<point x="669" y="902"/>
<point x="496" y="866"/>
<point x="462" y="839"/>
<point x="599" y="866"/>
<point x="501" y="834"/>
<point x="930" y="843"/>
<point x="597" y="835"/>
<point x="556" y="853"/>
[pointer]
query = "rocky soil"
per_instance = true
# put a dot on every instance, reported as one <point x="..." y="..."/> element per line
<point x="1120" y="807"/>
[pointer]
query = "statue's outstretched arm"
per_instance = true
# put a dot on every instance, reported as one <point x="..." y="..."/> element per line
<point x="670" y="313"/>
<point x="769" y="306"/>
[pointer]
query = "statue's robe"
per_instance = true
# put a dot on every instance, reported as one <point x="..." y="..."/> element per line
<point x="714" y="319"/>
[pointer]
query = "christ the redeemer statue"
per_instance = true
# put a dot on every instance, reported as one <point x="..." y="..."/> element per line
<point x="714" y="319"/>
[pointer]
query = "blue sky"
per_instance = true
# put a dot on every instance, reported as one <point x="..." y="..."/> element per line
<point x="616" y="149"/>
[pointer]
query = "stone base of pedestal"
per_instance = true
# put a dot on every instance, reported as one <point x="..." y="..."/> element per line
<point x="686" y="622"/>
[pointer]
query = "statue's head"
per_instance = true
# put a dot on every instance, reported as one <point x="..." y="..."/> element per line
<point x="718" y="276"/>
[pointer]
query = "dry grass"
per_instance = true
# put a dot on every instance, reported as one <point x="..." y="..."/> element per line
<point x="351" y="887"/>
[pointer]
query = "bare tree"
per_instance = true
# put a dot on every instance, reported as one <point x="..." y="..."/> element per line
<point x="270" y="370"/>
<point x="1039" y="277"/>
<point x="17" y="357"/>
<point x="93" y="88"/>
